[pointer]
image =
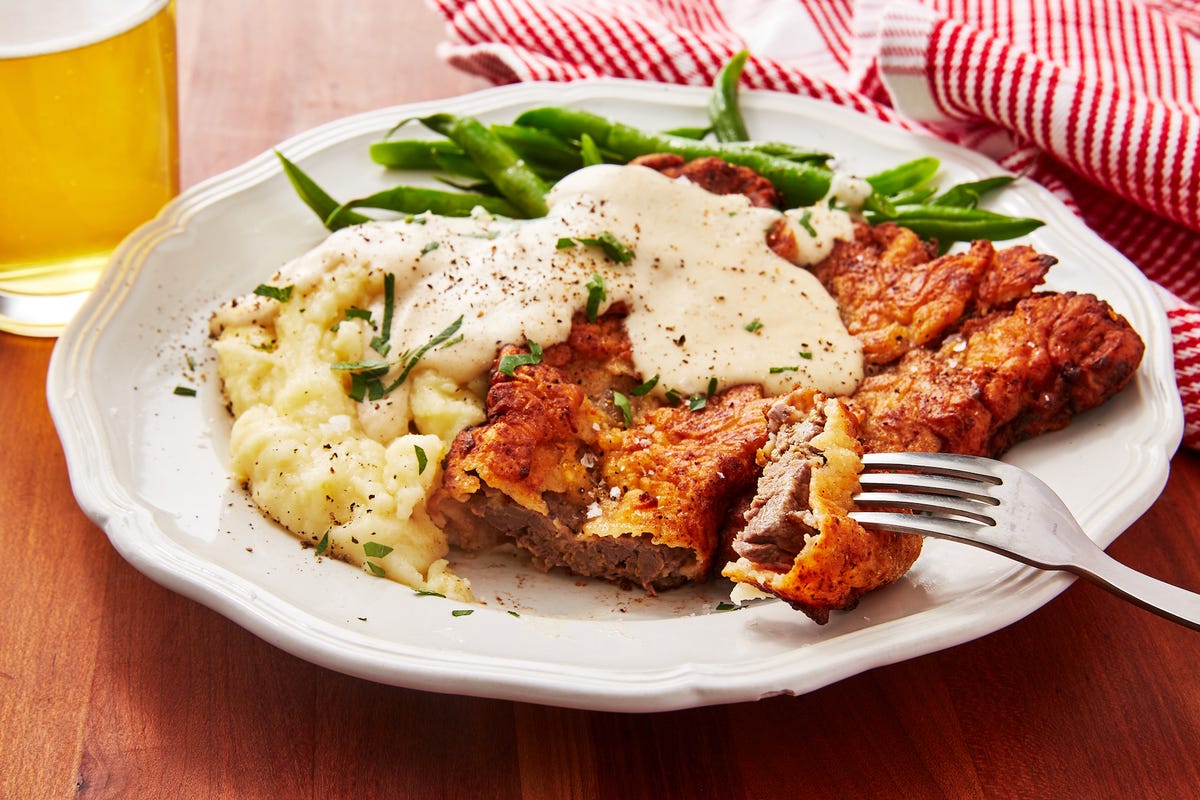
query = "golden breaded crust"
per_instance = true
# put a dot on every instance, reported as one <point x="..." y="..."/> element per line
<point x="1002" y="379"/>
<point x="674" y="473"/>
<point x="556" y="469"/>
<point x="895" y="293"/>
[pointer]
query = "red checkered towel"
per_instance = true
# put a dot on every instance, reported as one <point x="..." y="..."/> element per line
<point x="1109" y="89"/>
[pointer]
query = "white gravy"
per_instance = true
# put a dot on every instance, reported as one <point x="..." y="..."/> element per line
<point x="707" y="297"/>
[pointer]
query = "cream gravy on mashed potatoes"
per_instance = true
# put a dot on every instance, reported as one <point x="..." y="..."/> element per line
<point x="707" y="299"/>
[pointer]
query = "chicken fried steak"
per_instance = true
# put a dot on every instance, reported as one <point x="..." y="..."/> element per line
<point x="556" y="468"/>
<point x="962" y="357"/>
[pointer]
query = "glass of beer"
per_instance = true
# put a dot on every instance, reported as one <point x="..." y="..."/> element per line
<point x="89" y="144"/>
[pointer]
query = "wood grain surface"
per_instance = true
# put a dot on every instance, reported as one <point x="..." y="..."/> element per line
<point x="113" y="687"/>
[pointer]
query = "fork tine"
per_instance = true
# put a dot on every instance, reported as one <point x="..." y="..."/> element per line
<point x="968" y="467"/>
<point x="925" y="482"/>
<point x="942" y="505"/>
<point x="956" y="530"/>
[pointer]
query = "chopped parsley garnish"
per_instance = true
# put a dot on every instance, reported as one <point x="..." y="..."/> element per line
<point x="462" y="612"/>
<point x="596" y="295"/>
<point x="754" y="326"/>
<point x="323" y="545"/>
<point x="622" y="404"/>
<point x="363" y="387"/>
<point x="695" y="402"/>
<point x="729" y="607"/>
<point x="376" y="570"/>
<point x="427" y="593"/>
<point x="280" y="293"/>
<point x="422" y="459"/>
<point x="513" y="614"/>
<point x="698" y="402"/>
<point x="411" y="361"/>
<point x="610" y="244"/>
<point x="185" y="391"/>
<point x="372" y="365"/>
<point x="509" y="363"/>
<point x="805" y="222"/>
<point x="380" y="343"/>
<point x="643" y="389"/>
<point x="376" y="550"/>
<point x="429" y="247"/>
<point x="366" y="380"/>
<point x="805" y="354"/>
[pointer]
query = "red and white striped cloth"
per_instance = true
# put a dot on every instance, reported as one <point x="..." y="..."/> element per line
<point x="1098" y="100"/>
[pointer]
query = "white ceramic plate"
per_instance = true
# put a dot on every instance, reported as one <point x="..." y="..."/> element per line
<point x="149" y="465"/>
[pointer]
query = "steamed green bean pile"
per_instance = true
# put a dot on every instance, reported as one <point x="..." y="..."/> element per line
<point x="508" y="169"/>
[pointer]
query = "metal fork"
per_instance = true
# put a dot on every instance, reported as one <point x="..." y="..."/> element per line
<point x="1006" y="510"/>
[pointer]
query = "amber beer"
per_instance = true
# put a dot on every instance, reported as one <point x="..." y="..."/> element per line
<point x="89" y="143"/>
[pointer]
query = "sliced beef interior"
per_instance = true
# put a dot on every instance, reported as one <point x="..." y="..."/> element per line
<point x="778" y="520"/>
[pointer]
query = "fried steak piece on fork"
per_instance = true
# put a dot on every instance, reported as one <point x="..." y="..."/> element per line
<point x="799" y="542"/>
<point x="998" y="380"/>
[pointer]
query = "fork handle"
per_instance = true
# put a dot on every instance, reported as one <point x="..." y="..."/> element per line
<point x="1159" y="597"/>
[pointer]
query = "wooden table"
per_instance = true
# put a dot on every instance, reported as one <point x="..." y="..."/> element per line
<point x="111" y="686"/>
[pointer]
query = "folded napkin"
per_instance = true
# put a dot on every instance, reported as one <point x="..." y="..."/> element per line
<point x="1097" y="100"/>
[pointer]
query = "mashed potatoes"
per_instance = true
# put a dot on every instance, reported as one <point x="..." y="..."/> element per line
<point x="302" y="445"/>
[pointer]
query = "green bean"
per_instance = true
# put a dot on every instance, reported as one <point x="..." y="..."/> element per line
<point x="589" y="151"/>
<point x="876" y="206"/>
<point x="912" y="197"/>
<point x="313" y="195"/>
<point x="416" y="200"/>
<point x="457" y="164"/>
<point x="426" y="154"/>
<point x="955" y="224"/>
<point x="423" y="154"/>
<point x="476" y="187"/>
<point x="791" y="152"/>
<point x="688" y="132"/>
<point x="908" y="175"/>
<point x="967" y="195"/>
<point x="540" y="147"/>
<point x="724" y="112"/>
<point x="799" y="183"/>
<point x="515" y="180"/>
